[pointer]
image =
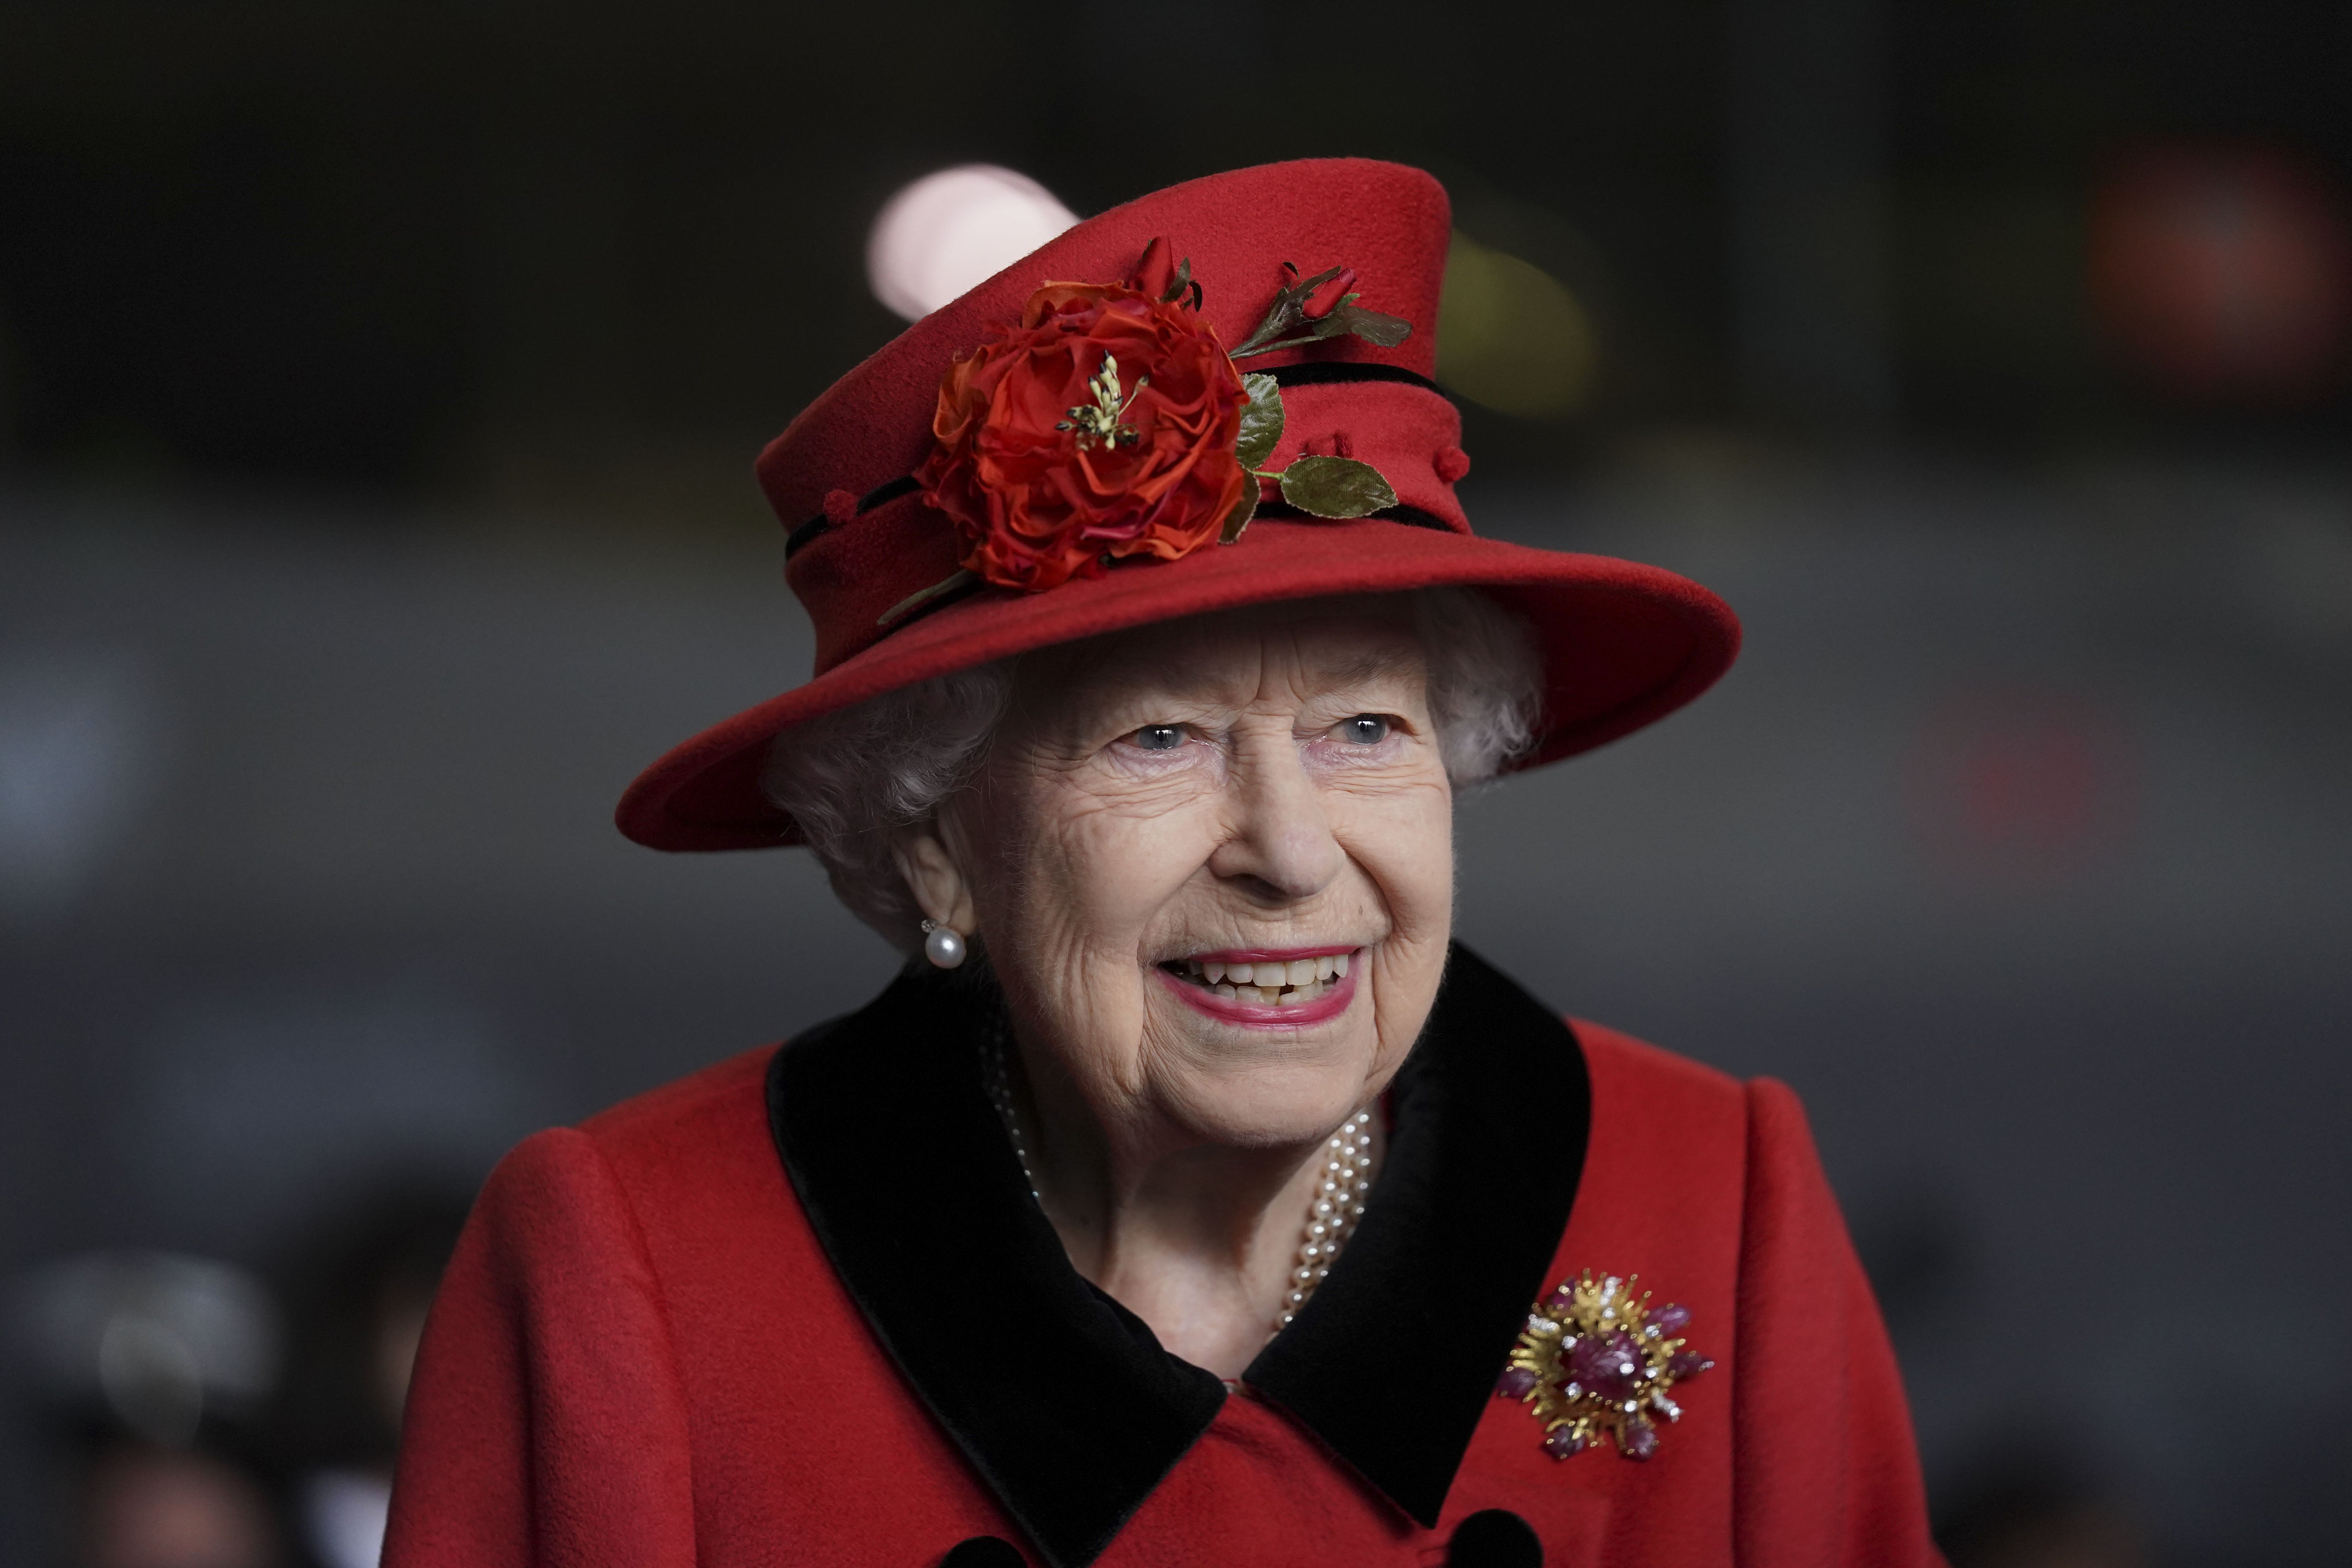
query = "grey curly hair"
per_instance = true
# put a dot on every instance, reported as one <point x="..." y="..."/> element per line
<point x="855" y="779"/>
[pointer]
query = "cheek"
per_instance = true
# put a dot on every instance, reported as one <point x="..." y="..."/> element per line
<point x="1117" y="871"/>
<point x="1069" y="923"/>
<point x="1092" y="877"/>
<point x="1404" y="842"/>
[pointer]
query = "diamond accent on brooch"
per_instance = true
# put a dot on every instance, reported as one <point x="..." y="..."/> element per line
<point x="1595" y="1358"/>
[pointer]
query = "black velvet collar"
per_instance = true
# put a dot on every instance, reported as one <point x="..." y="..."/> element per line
<point x="1061" y="1398"/>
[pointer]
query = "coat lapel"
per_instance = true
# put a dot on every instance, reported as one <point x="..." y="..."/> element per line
<point x="1394" y="1358"/>
<point x="1063" y="1400"/>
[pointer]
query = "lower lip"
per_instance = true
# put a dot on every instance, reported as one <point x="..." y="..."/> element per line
<point x="1258" y="1016"/>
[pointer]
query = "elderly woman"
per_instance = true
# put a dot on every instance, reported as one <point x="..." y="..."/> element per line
<point x="1190" y="1198"/>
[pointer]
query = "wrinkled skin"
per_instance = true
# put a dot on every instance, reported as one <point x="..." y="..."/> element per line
<point x="1266" y="778"/>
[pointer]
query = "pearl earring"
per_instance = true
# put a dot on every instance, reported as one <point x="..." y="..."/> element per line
<point x="942" y="944"/>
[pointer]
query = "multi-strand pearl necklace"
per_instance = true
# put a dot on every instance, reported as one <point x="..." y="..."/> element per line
<point x="1000" y="1094"/>
<point x="1340" y="1194"/>
<point x="1339" y="1204"/>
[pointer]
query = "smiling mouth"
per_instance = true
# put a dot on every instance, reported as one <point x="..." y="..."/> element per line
<point x="1266" y="983"/>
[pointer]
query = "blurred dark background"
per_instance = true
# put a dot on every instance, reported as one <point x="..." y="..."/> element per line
<point x="378" y="390"/>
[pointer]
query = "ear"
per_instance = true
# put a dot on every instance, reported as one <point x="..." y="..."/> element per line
<point x="935" y="877"/>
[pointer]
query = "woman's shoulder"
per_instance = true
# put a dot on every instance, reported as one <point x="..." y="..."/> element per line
<point x="674" y="1143"/>
<point x="682" y="1180"/>
<point x="1677" y="1147"/>
<point x="718" y="1099"/>
<point x="1620" y="1053"/>
<point x="1689" y="1127"/>
<point x="1627" y="1069"/>
<point x="1633" y="1078"/>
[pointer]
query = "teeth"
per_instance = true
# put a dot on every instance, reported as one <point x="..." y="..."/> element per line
<point x="1268" y="982"/>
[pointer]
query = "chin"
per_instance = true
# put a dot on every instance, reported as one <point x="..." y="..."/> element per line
<point x="1274" y="1108"/>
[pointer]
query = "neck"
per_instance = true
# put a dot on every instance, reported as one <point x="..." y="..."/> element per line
<point x="1201" y="1240"/>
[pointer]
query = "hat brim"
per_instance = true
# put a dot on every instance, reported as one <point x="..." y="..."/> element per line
<point x="1624" y="644"/>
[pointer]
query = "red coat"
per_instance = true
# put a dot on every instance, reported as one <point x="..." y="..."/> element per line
<point x="660" y="1344"/>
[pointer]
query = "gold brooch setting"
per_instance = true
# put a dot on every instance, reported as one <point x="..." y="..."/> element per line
<point x="1596" y="1358"/>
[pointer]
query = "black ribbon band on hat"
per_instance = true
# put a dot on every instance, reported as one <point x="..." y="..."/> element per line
<point x="1322" y="373"/>
<point x="1411" y="516"/>
<point x="817" y="527"/>
<point x="820" y="525"/>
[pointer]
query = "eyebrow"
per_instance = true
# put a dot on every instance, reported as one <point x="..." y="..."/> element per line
<point x="1359" y="669"/>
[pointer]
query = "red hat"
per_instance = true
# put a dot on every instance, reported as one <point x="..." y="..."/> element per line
<point x="1032" y="464"/>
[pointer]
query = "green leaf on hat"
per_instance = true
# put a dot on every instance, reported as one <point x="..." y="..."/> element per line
<point x="915" y="600"/>
<point x="1260" y="421"/>
<point x="1373" y="326"/>
<point x="1179" y="282"/>
<point x="1288" y="325"/>
<point x="1289" y="310"/>
<point x="1239" y="518"/>
<point x="1336" y="487"/>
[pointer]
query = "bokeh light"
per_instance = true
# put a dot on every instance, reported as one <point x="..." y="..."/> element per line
<point x="2224" y="274"/>
<point x="947" y="231"/>
<point x="1511" y="336"/>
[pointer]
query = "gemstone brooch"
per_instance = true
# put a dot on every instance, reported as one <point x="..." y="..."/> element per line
<point x="1595" y="1358"/>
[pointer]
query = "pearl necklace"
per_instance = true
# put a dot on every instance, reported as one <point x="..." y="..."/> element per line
<point x="1338" y="1206"/>
<point x="1340" y="1197"/>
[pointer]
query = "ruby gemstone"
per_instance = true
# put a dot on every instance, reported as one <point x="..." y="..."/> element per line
<point x="1608" y="1365"/>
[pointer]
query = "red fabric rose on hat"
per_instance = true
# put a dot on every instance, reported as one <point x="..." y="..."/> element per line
<point x="1102" y="426"/>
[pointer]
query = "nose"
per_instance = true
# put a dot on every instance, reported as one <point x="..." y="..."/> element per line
<point x="1280" y="847"/>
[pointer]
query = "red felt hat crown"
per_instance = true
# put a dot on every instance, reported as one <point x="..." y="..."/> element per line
<point x="1622" y="643"/>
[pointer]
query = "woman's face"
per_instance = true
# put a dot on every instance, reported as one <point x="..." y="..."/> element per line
<point x="1162" y="806"/>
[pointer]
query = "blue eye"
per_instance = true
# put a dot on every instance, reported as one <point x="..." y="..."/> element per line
<point x="1364" y="729"/>
<point x="1158" y="737"/>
